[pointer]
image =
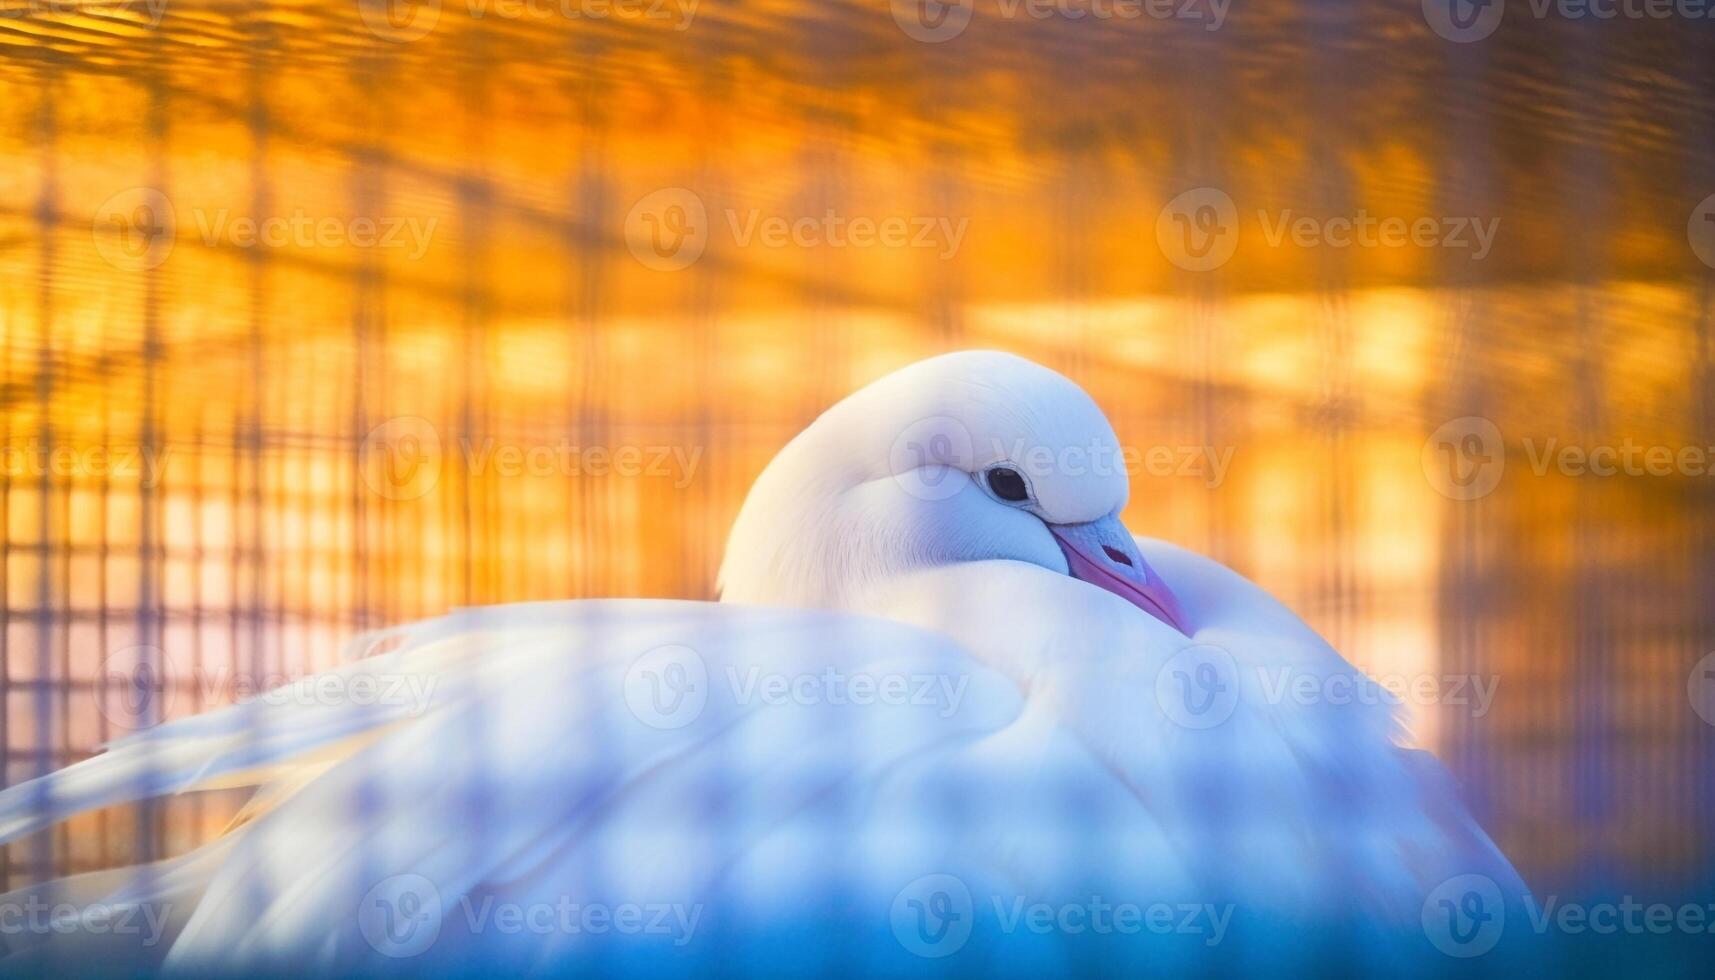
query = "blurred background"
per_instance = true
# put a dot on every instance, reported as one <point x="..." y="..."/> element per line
<point x="321" y="316"/>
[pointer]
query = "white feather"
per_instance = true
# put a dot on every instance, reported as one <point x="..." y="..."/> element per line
<point x="1037" y="755"/>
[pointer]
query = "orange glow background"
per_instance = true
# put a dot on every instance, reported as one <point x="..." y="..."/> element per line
<point x="259" y="374"/>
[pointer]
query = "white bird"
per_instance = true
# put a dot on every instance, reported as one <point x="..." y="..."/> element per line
<point x="948" y="716"/>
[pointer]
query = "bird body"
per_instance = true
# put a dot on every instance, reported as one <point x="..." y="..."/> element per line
<point x="945" y="699"/>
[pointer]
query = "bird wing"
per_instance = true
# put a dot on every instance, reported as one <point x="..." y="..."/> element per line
<point x="1276" y="769"/>
<point x="715" y="770"/>
<point x="645" y="785"/>
<point x="1381" y="822"/>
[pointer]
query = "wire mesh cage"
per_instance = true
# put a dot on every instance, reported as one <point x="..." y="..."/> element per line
<point x="320" y="318"/>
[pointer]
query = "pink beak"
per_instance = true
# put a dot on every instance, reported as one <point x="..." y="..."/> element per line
<point x="1104" y="554"/>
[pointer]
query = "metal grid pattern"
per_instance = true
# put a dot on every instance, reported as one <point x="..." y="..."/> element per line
<point x="321" y="411"/>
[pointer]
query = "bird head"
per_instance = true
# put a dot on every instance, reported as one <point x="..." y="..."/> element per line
<point x="966" y="457"/>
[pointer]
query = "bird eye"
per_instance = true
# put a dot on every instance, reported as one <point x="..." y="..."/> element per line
<point x="1008" y="484"/>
